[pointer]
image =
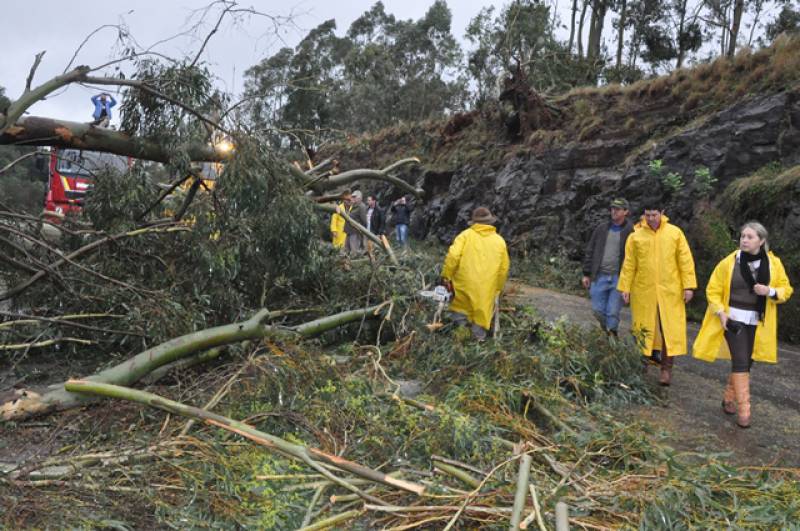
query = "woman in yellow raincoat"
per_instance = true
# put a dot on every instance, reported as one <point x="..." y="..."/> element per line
<point x="657" y="279"/>
<point x="476" y="266"/>
<point x="741" y="321"/>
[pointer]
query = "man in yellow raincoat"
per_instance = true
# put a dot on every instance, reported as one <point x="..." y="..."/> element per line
<point x="476" y="267"/>
<point x="338" y="236"/>
<point x="657" y="279"/>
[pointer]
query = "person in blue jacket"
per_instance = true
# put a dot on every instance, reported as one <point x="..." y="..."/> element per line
<point x="102" y="109"/>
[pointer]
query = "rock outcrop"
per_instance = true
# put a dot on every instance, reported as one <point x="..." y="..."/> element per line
<point x="553" y="199"/>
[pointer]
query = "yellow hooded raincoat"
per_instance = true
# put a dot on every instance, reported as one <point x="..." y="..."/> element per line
<point x="710" y="343"/>
<point x="477" y="265"/>
<point x="658" y="267"/>
<point x="337" y="228"/>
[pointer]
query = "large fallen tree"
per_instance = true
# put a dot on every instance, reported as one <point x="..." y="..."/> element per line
<point x="26" y="403"/>
<point x="42" y="131"/>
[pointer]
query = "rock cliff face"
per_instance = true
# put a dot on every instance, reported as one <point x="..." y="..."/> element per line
<point x="552" y="199"/>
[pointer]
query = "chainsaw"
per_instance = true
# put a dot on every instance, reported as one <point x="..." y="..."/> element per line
<point x="441" y="296"/>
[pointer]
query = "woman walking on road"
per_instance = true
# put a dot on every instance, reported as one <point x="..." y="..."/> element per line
<point x="743" y="293"/>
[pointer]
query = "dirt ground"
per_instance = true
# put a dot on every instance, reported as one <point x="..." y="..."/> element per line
<point x="692" y="415"/>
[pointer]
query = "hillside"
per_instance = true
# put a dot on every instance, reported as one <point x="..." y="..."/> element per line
<point x="718" y="144"/>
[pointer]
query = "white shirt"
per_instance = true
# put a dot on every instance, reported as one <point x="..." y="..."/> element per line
<point x="369" y="218"/>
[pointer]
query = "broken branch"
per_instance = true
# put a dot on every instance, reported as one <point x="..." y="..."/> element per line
<point x="297" y="451"/>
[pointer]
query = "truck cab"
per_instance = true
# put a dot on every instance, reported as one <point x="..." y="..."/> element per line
<point x="71" y="175"/>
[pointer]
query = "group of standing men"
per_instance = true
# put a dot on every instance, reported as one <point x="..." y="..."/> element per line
<point x="345" y="235"/>
<point x="650" y="267"/>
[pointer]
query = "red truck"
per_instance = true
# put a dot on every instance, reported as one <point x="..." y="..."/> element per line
<point x="71" y="174"/>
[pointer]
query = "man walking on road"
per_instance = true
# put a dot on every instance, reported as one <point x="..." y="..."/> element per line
<point x="657" y="280"/>
<point x="476" y="269"/>
<point x="602" y="262"/>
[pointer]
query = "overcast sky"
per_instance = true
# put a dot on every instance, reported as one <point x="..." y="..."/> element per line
<point x="59" y="27"/>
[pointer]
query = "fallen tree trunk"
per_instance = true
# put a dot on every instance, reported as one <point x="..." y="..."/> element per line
<point x="27" y="403"/>
<point x="41" y="131"/>
<point x="302" y="453"/>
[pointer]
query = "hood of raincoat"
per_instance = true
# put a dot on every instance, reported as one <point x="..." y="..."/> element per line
<point x="642" y="223"/>
<point x="484" y="230"/>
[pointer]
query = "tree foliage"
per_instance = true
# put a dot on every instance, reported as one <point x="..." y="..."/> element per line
<point x="371" y="78"/>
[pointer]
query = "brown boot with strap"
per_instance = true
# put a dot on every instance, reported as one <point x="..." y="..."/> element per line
<point x="729" y="398"/>
<point x="741" y="386"/>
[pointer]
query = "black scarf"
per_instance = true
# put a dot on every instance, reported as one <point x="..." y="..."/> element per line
<point x="762" y="276"/>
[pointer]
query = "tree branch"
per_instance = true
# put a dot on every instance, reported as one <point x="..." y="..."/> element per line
<point x="359" y="227"/>
<point x="16" y="161"/>
<point x="284" y="447"/>
<point x="33" y="70"/>
<point x="29" y="97"/>
<point x="19" y="288"/>
<point x="320" y="186"/>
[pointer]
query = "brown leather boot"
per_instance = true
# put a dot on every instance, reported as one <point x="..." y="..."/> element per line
<point x="665" y="378"/>
<point x="741" y="386"/>
<point x="729" y="398"/>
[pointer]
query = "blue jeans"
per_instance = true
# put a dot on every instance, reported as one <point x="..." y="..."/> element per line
<point x="606" y="300"/>
<point x="402" y="233"/>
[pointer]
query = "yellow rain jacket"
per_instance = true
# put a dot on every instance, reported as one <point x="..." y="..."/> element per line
<point x="710" y="343"/>
<point x="337" y="228"/>
<point x="658" y="267"/>
<point x="477" y="265"/>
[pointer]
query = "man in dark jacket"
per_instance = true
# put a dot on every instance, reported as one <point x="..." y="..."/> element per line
<point x="401" y="215"/>
<point x="602" y="262"/>
<point x="376" y="221"/>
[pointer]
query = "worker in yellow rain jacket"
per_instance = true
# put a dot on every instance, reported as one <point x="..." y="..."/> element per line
<point x="741" y="321"/>
<point x="338" y="236"/>
<point x="476" y="269"/>
<point x="657" y="279"/>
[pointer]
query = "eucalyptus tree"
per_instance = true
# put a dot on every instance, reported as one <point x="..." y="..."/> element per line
<point x="786" y="21"/>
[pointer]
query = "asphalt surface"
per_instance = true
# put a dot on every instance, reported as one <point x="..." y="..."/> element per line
<point x="693" y="415"/>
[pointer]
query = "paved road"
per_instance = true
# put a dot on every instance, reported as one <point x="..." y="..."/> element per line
<point x="692" y="412"/>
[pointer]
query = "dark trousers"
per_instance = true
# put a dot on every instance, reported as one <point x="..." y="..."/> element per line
<point x="740" y="343"/>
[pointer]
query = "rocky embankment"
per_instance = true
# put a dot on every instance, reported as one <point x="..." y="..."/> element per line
<point x="552" y="200"/>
